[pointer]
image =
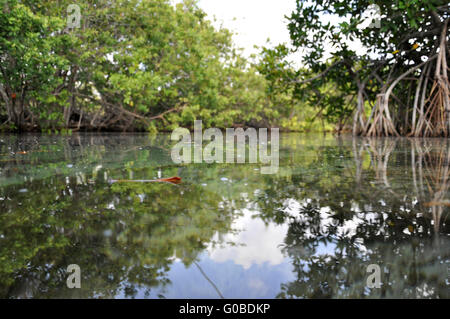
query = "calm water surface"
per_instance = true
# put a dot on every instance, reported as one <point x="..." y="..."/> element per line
<point x="335" y="206"/>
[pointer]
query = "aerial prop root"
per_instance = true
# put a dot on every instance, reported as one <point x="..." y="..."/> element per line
<point x="434" y="106"/>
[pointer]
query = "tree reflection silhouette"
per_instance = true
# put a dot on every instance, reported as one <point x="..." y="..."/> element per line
<point x="347" y="203"/>
<point x="337" y="230"/>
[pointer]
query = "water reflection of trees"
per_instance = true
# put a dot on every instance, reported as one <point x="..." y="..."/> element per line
<point x="387" y="209"/>
<point x="429" y="166"/>
<point x="368" y="201"/>
<point x="123" y="236"/>
<point x="121" y="242"/>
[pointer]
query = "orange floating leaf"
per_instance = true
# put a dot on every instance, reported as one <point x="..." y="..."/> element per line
<point x="173" y="180"/>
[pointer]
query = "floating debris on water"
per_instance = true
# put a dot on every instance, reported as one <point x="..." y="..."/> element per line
<point x="172" y="180"/>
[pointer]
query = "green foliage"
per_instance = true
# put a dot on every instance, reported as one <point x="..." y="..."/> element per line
<point x="28" y="62"/>
<point x="132" y="65"/>
<point x="333" y="72"/>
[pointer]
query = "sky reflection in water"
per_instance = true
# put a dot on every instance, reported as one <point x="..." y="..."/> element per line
<point x="335" y="206"/>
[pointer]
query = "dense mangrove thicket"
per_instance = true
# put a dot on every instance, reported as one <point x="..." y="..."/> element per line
<point x="130" y="65"/>
<point x="150" y="65"/>
<point x="395" y="84"/>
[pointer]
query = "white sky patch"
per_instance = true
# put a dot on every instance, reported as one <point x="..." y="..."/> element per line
<point x="254" y="21"/>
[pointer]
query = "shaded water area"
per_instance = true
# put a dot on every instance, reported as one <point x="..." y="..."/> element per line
<point x="336" y="205"/>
